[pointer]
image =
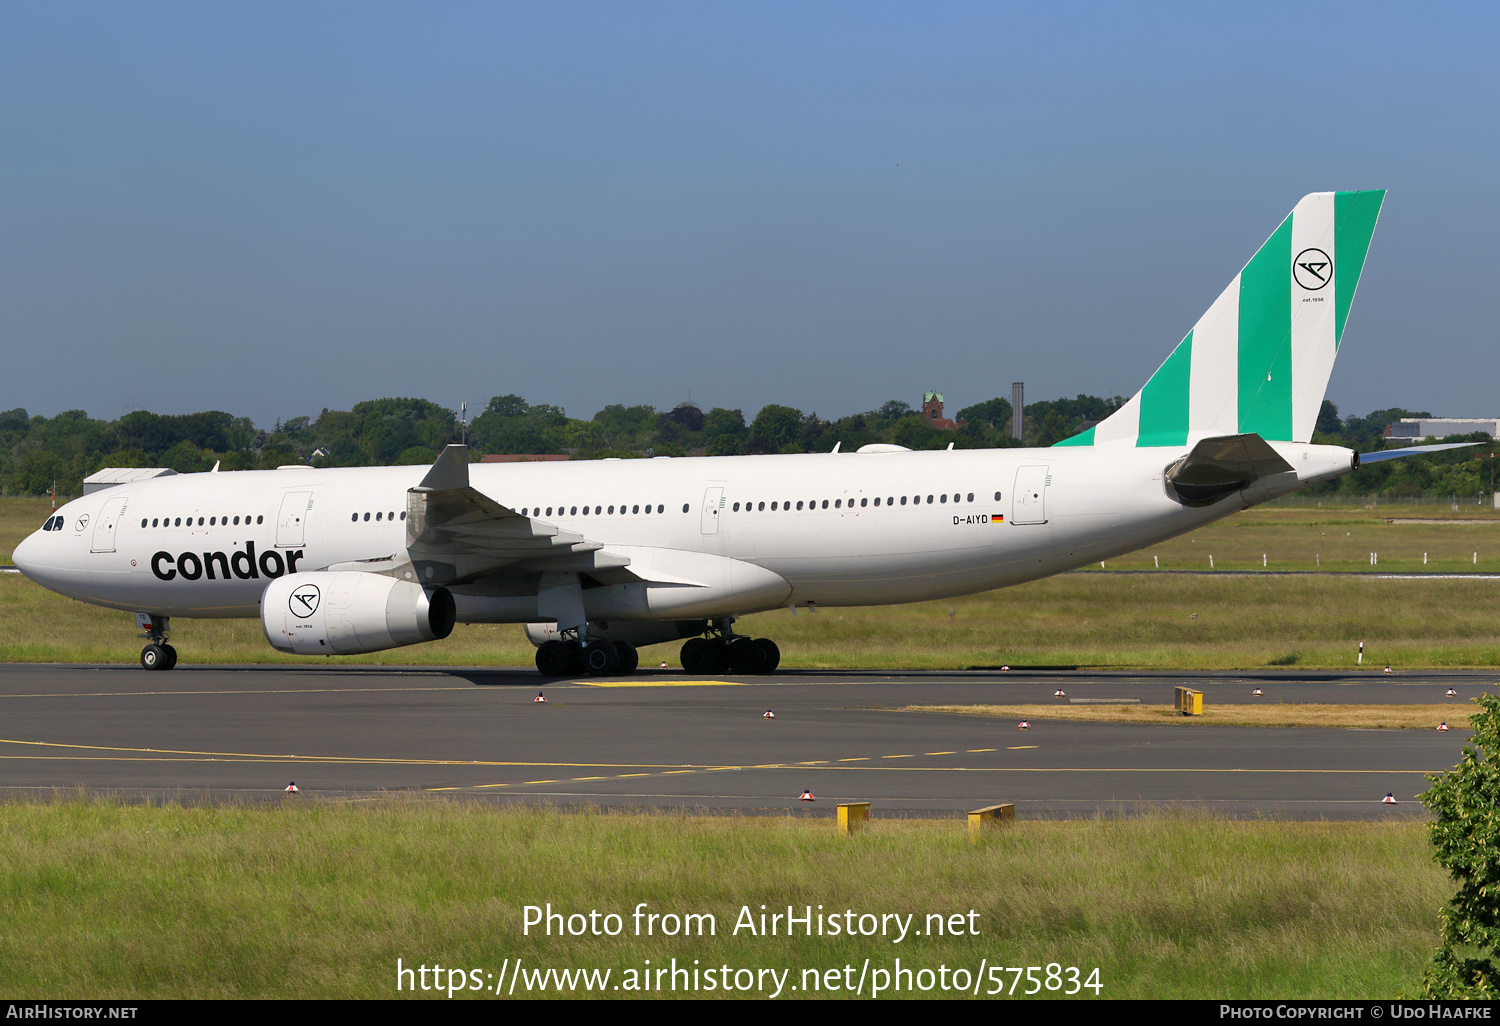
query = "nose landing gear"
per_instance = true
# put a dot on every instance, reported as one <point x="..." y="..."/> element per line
<point x="158" y="655"/>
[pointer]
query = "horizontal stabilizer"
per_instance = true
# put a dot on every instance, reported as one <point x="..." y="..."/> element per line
<point x="1220" y="466"/>
<point x="1414" y="450"/>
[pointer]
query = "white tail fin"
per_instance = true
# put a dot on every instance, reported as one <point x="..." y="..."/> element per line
<point x="1258" y="361"/>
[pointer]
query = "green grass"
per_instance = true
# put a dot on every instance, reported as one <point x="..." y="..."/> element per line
<point x="311" y="899"/>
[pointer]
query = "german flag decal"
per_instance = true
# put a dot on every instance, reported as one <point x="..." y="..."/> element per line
<point x="997" y="518"/>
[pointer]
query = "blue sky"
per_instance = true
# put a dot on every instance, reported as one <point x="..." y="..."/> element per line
<point x="275" y="208"/>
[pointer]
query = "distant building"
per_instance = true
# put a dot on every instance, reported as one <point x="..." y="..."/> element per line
<point x="1414" y="428"/>
<point x="111" y="476"/>
<point x="932" y="412"/>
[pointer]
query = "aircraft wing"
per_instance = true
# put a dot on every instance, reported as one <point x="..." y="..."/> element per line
<point x="455" y="533"/>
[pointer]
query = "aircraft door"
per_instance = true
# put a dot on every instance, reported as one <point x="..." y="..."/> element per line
<point x="109" y="520"/>
<point x="713" y="505"/>
<point x="291" y="526"/>
<point x="1029" y="497"/>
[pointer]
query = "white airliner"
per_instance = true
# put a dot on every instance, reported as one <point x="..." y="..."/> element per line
<point x="600" y="557"/>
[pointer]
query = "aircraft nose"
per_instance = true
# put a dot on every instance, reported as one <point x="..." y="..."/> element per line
<point x="24" y="555"/>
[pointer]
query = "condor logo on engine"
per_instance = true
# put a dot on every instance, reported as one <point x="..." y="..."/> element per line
<point x="304" y="601"/>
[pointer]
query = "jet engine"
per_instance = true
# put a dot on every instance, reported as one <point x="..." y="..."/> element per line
<point x="345" y="613"/>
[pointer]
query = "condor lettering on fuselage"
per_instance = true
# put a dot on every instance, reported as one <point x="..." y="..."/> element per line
<point x="241" y="563"/>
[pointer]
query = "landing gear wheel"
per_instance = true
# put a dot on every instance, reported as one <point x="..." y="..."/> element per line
<point x="602" y="659"/>
<point x="700" y="655"/>
<point x="773" y="654"/>
<point x="154" y="657"/>
<point x="171" y="655"/>
<point x="553" y="659"/>
<point x="746" y="657"/>
<point x="630" y="659"/>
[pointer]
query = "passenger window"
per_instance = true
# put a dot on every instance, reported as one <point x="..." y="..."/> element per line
<point x="903" y="500"/>
<point x="864" y="502"/>
<point x="549" y="511"/>
<point x="143" y="521"/>
<point x="367" y="518"/>
<point x="260" y="519"/>
<point x="997" y="496"/>
<point x="684" y="507"/>
<point x="736" y="507"/>
<point x="838" y="503"/>
<point x="970" y="498"/>
<point x="761" y="507"/>
<point x="877" y="500"/>
<point x="945" y="497"/>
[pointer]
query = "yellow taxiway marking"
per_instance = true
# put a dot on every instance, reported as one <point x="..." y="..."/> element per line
<point x="939" y="753"/>
<point x="981" y="749"/>
<point x="1019" y="748"/>
<point x="158" y="754"/>
<point x="898" y="756"/>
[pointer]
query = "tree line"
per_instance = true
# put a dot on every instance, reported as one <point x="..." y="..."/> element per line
<point x="36" y="452"/>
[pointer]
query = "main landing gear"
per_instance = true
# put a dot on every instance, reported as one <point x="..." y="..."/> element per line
<point x="158" y="655"/>
<point x="599" y="658"/>
<point x="724" y="651"/>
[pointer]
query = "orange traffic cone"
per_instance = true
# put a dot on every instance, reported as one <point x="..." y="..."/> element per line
<point x="539" y="697"/>
<point x="1025" y="725"/>
<point x="1452" y="693"/>
<point x="807" y="796"/>
<point x="1389" y="799"/>
<point x="1257" y="693"/>
<point x="1059" y="693"/>
<point x="292" y="788"/>
<point x="769" y="715"/>
<point x="1443" y="726"/>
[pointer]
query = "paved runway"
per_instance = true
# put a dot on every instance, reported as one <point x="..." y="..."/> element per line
<point x="674" y="742"/>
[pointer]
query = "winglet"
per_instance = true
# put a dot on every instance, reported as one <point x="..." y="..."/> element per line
<point x="449" y="471"/>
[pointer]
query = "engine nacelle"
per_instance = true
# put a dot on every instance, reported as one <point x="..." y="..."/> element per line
<point x="346" y="613"/>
